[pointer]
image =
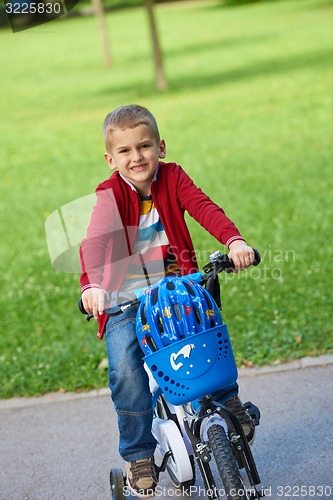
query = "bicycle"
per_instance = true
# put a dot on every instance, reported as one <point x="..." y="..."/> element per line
<point x="188" y="425"/>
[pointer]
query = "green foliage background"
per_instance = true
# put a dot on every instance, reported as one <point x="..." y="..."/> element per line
<point x="248" y="114"/>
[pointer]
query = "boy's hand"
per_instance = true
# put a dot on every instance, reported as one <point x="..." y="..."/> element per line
<point x="93" y="301"/>
<point x="241" y="254"/>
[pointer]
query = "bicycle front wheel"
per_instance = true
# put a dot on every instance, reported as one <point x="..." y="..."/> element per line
<point x="226" y="463"/>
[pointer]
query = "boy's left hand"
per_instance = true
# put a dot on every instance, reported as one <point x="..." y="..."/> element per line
<point x="241" y="254"/>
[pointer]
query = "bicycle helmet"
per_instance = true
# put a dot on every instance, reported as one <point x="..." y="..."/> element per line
<point x="173" y="309"/>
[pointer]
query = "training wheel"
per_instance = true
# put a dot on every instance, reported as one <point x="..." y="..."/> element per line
<point x="117" y="484"/>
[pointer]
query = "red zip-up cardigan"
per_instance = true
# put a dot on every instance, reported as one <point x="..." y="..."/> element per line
<point x="114" y="222"/>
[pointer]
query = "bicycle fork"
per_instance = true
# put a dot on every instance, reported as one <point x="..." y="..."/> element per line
<point x="203" y="458"/>
<point x="213" y="412"/>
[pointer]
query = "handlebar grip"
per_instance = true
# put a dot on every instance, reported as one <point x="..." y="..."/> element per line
<point x="257" y="257"/>
<point x="83" y="311"/>
<point x="81" y="306"/>
<point x="229" y="265"/>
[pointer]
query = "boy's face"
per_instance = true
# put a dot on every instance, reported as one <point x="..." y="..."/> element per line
<point x="135" y="152"/>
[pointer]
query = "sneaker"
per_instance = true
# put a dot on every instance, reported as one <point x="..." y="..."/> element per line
<point x="141" y="477"/>
<point x="235" y="405"/>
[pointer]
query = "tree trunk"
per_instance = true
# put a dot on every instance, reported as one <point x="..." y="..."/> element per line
<point x="160" y="80"/>
<point x="100" y="14"/>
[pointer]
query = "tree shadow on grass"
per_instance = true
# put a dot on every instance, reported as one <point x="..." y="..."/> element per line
<point x="226" y="4"/>
<point x="178" y="84"/>
<point x="218" y="43"/>
<point x="205" y="46"/>
<point x="320" y="4"/>
<point x="274" y="67"/>
<point x="200" y="48"/>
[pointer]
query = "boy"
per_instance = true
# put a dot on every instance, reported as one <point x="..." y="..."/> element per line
<point x="138" y="223"/>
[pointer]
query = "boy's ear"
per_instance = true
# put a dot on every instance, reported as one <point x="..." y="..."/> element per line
<point x="109" y="160"/>
<point x="162" y="149"/>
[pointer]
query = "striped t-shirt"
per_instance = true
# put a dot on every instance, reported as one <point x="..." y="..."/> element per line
<point x="152" y="257"/>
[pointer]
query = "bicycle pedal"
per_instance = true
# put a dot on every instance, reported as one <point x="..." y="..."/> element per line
<point x="253" y="411"/>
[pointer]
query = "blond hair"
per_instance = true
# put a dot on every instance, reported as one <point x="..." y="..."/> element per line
<point x="129" y="116"/>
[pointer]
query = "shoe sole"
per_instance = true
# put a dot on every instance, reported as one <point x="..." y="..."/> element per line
<point x="136" y="493"/>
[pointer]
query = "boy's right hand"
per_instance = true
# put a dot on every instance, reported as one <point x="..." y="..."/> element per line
<point x="93" y="301"/>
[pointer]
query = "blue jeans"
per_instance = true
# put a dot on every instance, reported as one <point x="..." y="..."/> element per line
<point x="129" y="385"/>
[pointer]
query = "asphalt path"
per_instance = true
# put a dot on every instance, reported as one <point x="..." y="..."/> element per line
<point x="61" y="447"/>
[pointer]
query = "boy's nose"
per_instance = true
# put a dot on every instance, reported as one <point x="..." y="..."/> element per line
<point x="137" y="155"/>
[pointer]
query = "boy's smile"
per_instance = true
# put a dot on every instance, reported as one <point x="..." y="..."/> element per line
<point x="135" y="152"/>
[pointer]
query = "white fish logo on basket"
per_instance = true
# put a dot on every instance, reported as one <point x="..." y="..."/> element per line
<point x="184" y="351"/>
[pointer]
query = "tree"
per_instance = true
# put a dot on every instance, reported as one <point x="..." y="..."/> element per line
<point x="99" y="11"/>
<point x="160" y="80"/>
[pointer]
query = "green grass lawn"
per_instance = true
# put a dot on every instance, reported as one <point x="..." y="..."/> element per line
<point x="248" y="114"/>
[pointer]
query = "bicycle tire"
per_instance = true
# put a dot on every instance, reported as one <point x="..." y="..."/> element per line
<point x="226" y="463"/>
<point x="117" y="484"/>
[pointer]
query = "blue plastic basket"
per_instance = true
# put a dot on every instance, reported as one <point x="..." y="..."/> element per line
<point x="195" y="366"/>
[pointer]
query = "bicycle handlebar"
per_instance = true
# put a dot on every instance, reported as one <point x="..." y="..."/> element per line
<point x="221" y="262"/>
<point x="218" y="263"/>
